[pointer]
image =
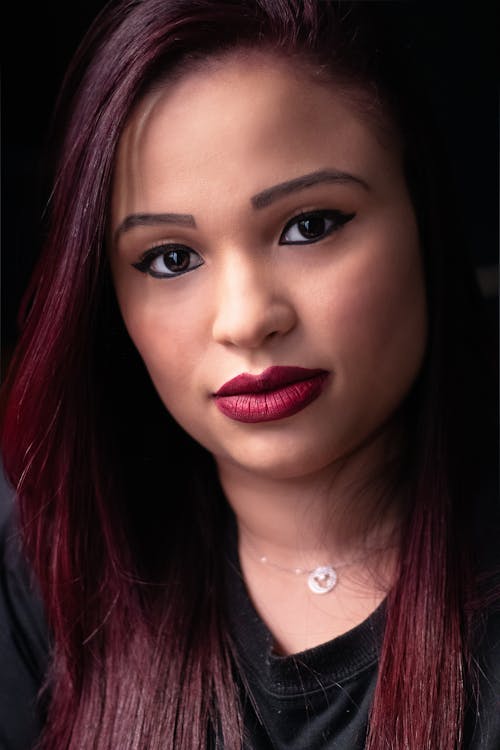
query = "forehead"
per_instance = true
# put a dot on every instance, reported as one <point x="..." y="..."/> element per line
<point x="242" y="124"/>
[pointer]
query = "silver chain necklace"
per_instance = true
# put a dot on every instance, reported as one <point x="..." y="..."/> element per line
<point x="320" y="580"/>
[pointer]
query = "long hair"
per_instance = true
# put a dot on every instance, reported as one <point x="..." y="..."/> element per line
<point x="124" y="536"/>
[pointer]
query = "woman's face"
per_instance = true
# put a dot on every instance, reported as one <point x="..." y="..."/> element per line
<point x="260" y="221"/>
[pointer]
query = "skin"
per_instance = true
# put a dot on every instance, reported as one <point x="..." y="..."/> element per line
<point x="351" y="303"/>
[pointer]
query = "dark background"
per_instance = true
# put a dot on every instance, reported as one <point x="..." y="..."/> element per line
<point x="459" y="43"/>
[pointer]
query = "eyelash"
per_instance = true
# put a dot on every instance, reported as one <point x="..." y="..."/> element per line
<point x="144" y="265"/>
<point x="337" y="218"/>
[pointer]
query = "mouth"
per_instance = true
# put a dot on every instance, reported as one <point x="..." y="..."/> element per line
<point x="276" y="393"/>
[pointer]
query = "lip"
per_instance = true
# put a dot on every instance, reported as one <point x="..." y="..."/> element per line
<point x="276" y="393"/>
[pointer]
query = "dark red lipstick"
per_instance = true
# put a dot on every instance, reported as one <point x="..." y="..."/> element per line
<point x="276" y="393"/>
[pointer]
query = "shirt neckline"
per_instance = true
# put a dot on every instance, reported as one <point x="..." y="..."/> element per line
<point x="337" y="660"/>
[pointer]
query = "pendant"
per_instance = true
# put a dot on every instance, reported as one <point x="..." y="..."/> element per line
<point x="322" y="580"/>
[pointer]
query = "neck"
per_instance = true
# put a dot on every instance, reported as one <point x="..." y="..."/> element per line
<point x="333" y="516"/>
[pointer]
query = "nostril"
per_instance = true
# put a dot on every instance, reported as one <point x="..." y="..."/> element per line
<point x="250" y="324"/>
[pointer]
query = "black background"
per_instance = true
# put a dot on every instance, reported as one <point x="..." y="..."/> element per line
<point x="459" y="41"/>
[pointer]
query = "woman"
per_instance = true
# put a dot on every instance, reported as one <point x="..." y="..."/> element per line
<point x="249" y="228"/>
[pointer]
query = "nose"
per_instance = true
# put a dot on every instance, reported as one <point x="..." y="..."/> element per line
<point x="251" y="307"/>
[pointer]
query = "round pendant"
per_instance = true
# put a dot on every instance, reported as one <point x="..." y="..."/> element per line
<point x="322" y="580"/>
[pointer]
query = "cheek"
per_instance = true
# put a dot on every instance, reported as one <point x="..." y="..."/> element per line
<point x="386" y="310"/>
<point x="165" y="340"/>
<point x="375" y="317"/>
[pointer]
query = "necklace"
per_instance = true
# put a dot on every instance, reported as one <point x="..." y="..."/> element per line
<point x="320" y="580"/>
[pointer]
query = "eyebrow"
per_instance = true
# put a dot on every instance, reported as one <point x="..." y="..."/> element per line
<point x="268" y="196"/>
<point x="261" y="200"/>
<point x="141" y="220"/>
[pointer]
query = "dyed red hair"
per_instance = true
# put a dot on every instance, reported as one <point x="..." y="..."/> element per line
<point x="142" y="655"/>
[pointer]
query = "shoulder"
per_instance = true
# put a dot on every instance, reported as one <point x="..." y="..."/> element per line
<point x="24" y="642"/>
<point x="484" y="698"/>
<point x="484" y="707"/>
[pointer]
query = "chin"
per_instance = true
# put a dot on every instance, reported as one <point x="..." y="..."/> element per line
<point x="278" y="458"/>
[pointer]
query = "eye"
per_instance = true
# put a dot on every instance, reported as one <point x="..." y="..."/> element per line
<point x="167" y="261"/>
<point x="313" y="226"/>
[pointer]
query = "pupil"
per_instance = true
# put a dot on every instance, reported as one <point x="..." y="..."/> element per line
<point x="312" y="227"/>
<point x="176" y="260"/>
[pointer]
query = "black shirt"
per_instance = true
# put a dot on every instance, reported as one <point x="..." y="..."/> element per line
<point x="24" y="648"/>
<point x="316" y="700"/>
<point x="320" y="698"/>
